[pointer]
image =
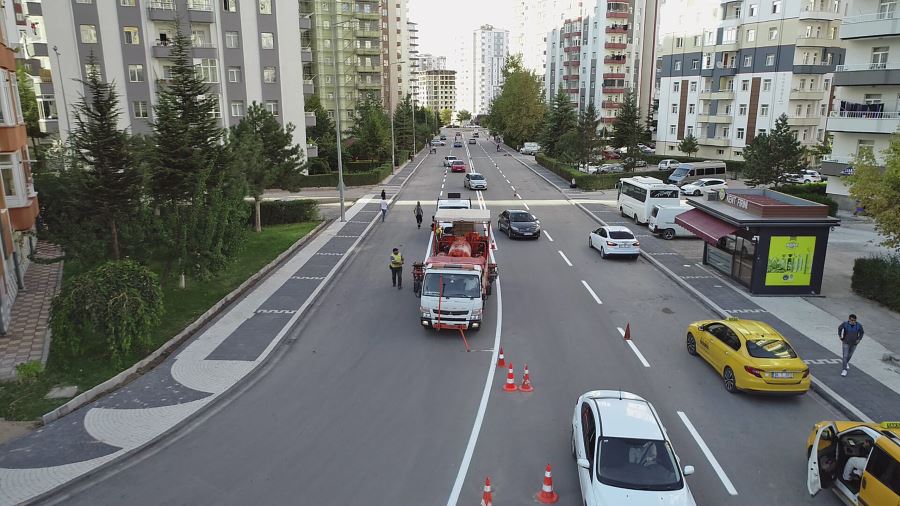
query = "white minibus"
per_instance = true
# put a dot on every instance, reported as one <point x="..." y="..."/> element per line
<point x="638" y="195"/>
<point x="688" y="172"/>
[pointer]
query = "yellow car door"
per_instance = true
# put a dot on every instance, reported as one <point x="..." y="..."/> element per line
<point x="880" y="482"/>
<point x="715" y="346"/>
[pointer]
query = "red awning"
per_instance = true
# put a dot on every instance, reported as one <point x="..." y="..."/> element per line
<point x="704" y="226"/>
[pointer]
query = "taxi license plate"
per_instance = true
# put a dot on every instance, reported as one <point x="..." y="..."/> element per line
<point x="782" y="375"/>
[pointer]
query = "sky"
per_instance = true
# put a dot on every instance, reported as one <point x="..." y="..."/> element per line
<point x="442" y="24"/>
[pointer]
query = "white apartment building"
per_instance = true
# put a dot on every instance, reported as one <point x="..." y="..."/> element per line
<point x="398" y="73"/>
<point x="461" y="61"/>
<point x="490" y="49"/>
<point x="437" y="89"/>
<point x="727" y="83"/>
<point x="27" y="32"/>
<point x="412" y="30"/>
<point x="866" y="107"/>
<point x="428" y="61"/>
<point x="251" y="54"/>
<point x="533" y="20"/>
<point x="600" y="55"/>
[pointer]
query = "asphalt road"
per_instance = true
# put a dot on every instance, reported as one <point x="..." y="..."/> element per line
<point x="363" y="406"/>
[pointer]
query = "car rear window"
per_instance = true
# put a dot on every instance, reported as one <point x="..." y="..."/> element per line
<point x="458" y="162"/>
<point x="476" y="176"/>
<point x="770" y="348"/>
<point x="620" y="234"/>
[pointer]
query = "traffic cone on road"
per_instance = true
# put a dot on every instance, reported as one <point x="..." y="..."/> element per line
<point x="510" y="385"/>
<point x="547" y="495"/>
<point x="627" y="335"/>
<point x="501" y="360"/>
<point x="487" y="498"/>
<point x="526" y="382"/>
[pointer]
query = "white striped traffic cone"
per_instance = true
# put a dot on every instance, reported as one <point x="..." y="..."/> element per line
<point x="510" y="385"/>
<point x="487" y="498"/>
<point x="547" y="495"/>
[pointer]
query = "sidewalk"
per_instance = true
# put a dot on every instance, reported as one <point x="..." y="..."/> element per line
<point x="28" y="336"/>
<point x="872" y="389"/>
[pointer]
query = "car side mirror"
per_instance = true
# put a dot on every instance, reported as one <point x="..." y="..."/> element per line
<point x="688" y="470"/>
<point x="584" y="463"/>
<point x="702" y="328"/>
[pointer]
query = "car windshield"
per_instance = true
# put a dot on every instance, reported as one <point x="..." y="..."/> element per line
<point x="770" y="348"/>
<point x="620" y="234"/>
<point x="454" y="285"/>
<point x="476" y="176"/>
<point x="638" y="464"/>
<point x="521" y="217"/>
<point x="680" y="172"/>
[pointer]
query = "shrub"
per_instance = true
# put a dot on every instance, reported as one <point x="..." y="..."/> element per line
<point x="107" y="310"/>
<point x="361" y="165"/>
<point x="279" y="212"/>
<point x="593" y="181"/>
<point x="368" y="177"/>
<point x="877" y="278"/>
<point x="29" y="372"/>
<point x="402" y="156"/>
<point x="319" y="166"/>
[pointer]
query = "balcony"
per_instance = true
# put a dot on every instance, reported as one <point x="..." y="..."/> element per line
<point x="568" y="77"/>
<point x="864" y="122"/>
<point x="312" y="151"/>
<point x="867" y="74"/>
<point x="875" y="24"/>
<point x="45" y="88"/>
<point x="614" y="60"/>
<point x="714" y="141"/>
<point x="368" y="68"/>
<point x="616" y="28"/>
<point x="719" y="119"/>
<point x="570" y="49"/>
<point x="807" y="95"/>
<point x="613" y="90"/>
<point x="161" y="10"/>
<point x="572" y="34"/>
<point x="816" y="68"/>
<point x="373" y="51"/>
<point x="368" y="34"/>
<point x="162" y="49"/>
<point x="804" y="120"/>
<point x="306" y="54"/>
<point x="201" y="10"/>
<point x="305" y="23"/>
<point x="569" y="63"/>
<point x="363" y="85"/>
<point x="613" y="75"/>
<point x="809" y="12"/>
<point x="310" y="118"/>
<point x="729" y="69"/>
<point x="615" y="45"/>
<point x="309" y="87"/>
<point x="609" y="104"/>
<point x="813" y="41"/>
<point x="608" y="120"/>
<point x="617" y="14"/>
<point x="374" y="16"/>
<point x="200" y="5"/>
<point x="717" y="95"/>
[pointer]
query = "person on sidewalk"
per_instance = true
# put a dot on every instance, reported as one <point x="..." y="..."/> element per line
<point x="383" y="194"/>
<point x="397" y="269"/>
<point x="384" y="208"/>
<point x="419" y="212"/>
<point x="851" y="333"/>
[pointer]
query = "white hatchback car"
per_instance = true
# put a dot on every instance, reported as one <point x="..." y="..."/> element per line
<point x="701" y="186"/>
<point x="448" y="160"/>
<point x="623" y="453"/>
<point x="614" y="241"/>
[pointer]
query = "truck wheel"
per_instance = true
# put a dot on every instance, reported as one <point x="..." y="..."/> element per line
<point x="622" y="212"/>
<point x="668" y="234"/>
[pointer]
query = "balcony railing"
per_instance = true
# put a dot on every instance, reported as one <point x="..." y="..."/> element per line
<point x="200" y="5"/>
<point x="867" y="66"/>
<point x="168" y="5"/>
<point x="872" y="16"/>
<point x="865" y="115"/>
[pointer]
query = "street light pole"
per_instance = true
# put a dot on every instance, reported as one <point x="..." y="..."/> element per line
<point x="337" y="114"/>
<point x="62" y="84"/>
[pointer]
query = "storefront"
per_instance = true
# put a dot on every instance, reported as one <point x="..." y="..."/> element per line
<point x="770" y="242"/>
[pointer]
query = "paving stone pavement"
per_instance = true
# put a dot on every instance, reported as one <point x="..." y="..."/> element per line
<point x="25" y="340"/>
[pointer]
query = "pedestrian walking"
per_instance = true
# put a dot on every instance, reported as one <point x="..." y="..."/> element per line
<point x="397" y="269"/>
<point x="851" y="333"/>
<point x="383" y="194"/>
<point x="419" y="212"/>
<point x="383" y="209"/>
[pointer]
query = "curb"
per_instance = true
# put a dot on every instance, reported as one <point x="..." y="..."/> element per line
<point x="833" y="398"/>
<point x="163" y="351"/>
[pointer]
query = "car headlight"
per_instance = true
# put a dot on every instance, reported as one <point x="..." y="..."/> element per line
<point x="426" y="313"/>
<point x="476" y="313"/>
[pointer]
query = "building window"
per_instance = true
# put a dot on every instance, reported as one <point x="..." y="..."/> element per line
<point x="90" y="70"/>
<point x="126" y="3"/>
<point x="209" y="70"/>
<point x="140" y="109"/>
<point x="232" y="40"/>
<point x="9" y="177"/>
<point x="729" y="35"/>
<point x="764" y="110"/>
<point x="740" y="133"/>
<point x="272" y="107"/>
<point x="674" y="108"/>
<point x="776" y="6"/>
<point x="269" y="75"/>
<point x="753" y="9"/>
<point x="745" y="85"/>
<point x="678" y="65"/>
<point x="136" y="73"/>
<point x="762" y="131"/>
<point x="237" y="108"/>
<point x="751" y="35"/>
<point x="88" y="34"/>
<point x="770" y="60"/>
<point x="265" y="6"/>
<point x="130" y="35"/>
<point x="676" y="86"/>
<point x="230" y="6"/>
<point x="742" y="110"/>
<point x="726" y="131"/>
<point x="216" y="111"/>
<point x="698" y="40"/>
<point x="267" y="40"/>
<point x="234" y="74"/>
<point x="879" y="57"/>
<point x="767" y="85"/>
<point x="865" y="146"/>
<point x="671" y="129"/>
<point x="690" y="130"/>
<point x="691" y="108"/>
<point x="679" y="42"/>
<point x="748" y="61"/>
<point x="773" y="33"/>
<point x="693" y="86"/>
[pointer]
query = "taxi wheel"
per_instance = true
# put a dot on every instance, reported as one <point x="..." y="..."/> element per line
<point x="691" y="344"/>
<point x="730" y="381"/>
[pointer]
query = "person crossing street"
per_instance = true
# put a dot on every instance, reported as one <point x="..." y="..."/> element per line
<point x="851" y="333"/>
<point x="397" y="269"/>
<point x="384" y="209"/>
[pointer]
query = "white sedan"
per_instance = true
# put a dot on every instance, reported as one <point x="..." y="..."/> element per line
<point x="614" y="241"/>
<point x="623" y="453"/>
<point x="701" y="186"/>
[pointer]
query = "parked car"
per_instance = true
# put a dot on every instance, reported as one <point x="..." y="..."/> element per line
<point x="589" y="169"/>
<point x="457" y="166"/>
<point x="443" y="137"/>
<point x="448" y="160"/>
<point x="608" y="168"/>
<point x="806" y="176"/>
<point x="613" y="240"/>
<point x="475" y="181"/>
<point x="847" y="172"/>
<point x="519" y="223"/>
<point x="530" y="148"/>
<point x="637" y="163"/>
<point x="667" y="164"/>
<point x="435" y="142"/>
<point x="703" y="185"/>
<point x="471" y="140"/>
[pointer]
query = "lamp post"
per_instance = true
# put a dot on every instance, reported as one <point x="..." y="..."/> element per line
<point x="337" y="107"/>
<point x="62" y="84"/>
<point x="390" y="101"/>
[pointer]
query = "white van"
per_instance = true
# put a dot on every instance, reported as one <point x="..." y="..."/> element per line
<point x="662" y="221"/>
<point x="688" y="172"/>
<point x="667" y="164"/>
<point x="530" y="148"/>
<point x="638" y="195"/>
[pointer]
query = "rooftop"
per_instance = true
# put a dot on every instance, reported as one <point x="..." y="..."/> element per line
<point x="627" y="417"/>
<point x="763" y="206"/>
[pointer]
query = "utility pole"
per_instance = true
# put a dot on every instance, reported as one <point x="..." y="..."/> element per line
<point x="337" y="113"/>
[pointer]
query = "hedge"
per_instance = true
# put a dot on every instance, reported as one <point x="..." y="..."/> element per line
<point x="593" y="181"/>
<point x="280" y="212"/>
<point x="402" y="156"/>
<point x="814" y="192"/>
<point x="368" y="177"/>
<point x="877" y="278"/>
<point x="361" y="165"/>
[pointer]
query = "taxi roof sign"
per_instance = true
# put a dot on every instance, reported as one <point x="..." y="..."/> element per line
<point x="890" y="425"/>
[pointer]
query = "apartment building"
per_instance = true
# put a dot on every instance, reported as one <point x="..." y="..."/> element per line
<point x="437" y="89"/>
<point x="602" y="54"/>
<point x="866" y="107"/>
<point x="490" y="49"/>
<point x="461" y="60"/>
<point x="428" y="61"/>
<point x="533" y="20"/>
<point x="246" y="50"/>
<point x="28" y="33"/>
<point x="727" y="83"/>
<point x="398" y="67"/>
<point x="18" y="200"/>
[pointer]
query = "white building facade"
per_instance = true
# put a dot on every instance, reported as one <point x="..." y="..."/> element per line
<point x="437" y="90"/>
<point x="533" y="20"/>
<point x="490" y="49"/>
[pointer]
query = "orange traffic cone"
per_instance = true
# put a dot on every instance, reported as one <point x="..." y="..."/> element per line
<point x="510" y="385"/>
<point x="627" y="331"/>
<point x="547" y="495"/>
<point x="487" y="498"/>
<point x="501" y="360"/>
<point x="526" y="382"/>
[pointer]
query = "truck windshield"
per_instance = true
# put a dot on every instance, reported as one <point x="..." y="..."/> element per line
<point x="455" y="285"/>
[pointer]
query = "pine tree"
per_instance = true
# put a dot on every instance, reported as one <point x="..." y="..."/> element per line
<point x="629" y="130"/>
<point x="371" y="130"/>
<point x="787" y="152"/>
<point x="403" y="130"/>
<point x="323" y="133"/>
<point x="559" y="120"/>
<point x="758" y="161"/>
<point x="589" y="141"/>
<point x="110" y="183"/>
<point x="689" y="145"/>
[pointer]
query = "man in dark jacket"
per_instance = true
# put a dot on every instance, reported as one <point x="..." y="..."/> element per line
<point x="851" y="333"/>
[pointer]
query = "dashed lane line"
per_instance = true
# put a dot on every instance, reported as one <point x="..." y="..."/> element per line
<point x="634" y="348"/>
<point x="525" y="204"/>
<point x="548" y="236"/>
<point x="591" y="291"/>
<point x="565" y="258"/>
<point x="709" y="456"/>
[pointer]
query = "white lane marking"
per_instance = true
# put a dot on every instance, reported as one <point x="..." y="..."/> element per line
<point x="709" y="456"/>
<point x="564" y="257"/>
<point x="591" y="291"/>
<point x="548" y="236"/>
<point x="519" y="196"/>
<point x="634" y="348"/>
<point x="526" y="205"/>
<point x="440" y="193"/>
<point x="513" y="187"/>
<point x="442" y="186"/>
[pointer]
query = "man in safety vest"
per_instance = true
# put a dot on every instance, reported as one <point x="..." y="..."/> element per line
<point x="397" y="269"/>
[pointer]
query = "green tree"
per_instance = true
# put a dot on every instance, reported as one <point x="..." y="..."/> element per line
<point x="588" y="139"/>
<point x="560" y="119"/>
<point x="758" y="161"/>
<point x="446" y="117"/>
<point x="110" y="183"/>
<point x="878" y="191"/>
<point x="29" y="104"/>
<point x="517" y="113"/>
<point x="280" y="153"/>
<point x="463" y="115"/>
<point x="403" y="127"/>
<point x="769" y="159"/>
<point x="629" y="130"/>
<point x="371" y="130"/>
<point x="323" y="133"/>
<point x="689" y="145"/>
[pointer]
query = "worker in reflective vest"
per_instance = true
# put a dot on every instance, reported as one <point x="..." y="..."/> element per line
<point x="396" y="269"/>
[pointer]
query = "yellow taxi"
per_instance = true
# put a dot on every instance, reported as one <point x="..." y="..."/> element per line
<point x="749" y="355"/>
<point x="859" y="461"/>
